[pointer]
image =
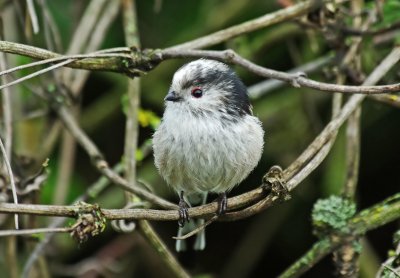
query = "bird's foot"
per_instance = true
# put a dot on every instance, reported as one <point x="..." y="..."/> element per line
<point x="183" y="211"/>
<point x="274" y="183"/>
<point x="222" y="203"/>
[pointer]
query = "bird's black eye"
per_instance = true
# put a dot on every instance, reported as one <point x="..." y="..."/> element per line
<point x="197" y="92"/>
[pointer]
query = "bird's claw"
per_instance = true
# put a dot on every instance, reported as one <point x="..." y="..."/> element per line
<point x="183" y="211"/>
<point x="222" y="204"/>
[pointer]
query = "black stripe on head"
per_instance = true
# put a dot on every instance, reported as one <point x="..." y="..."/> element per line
<point x="239" y="99"/>
<point x="236" y="100"/>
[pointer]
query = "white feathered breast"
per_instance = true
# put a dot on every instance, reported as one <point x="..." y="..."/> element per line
<point x="209" y="152"/>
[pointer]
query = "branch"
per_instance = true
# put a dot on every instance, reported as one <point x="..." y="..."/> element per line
<point x="254" y="195"/>
<point x="264" y="87"/>
<point x="34" y="231"/>
<point x="346" y="258"/>
<point x="33" y="16"/>
<point x="291" y="12"/>
<point x="148" y="59"/>
<point x="113" y="62"/>
<point x="91" y="192"/>
<point x="162" y="250"/>
<point x="317" y="150"/>
<point x="300" y="166"/>
<point x="318" y="251"/>
<point x="102" y="165"/>
<point x="11" y="176"/>
<point x="297" y="80"/>
<point x="390" y="60"/>
<point x="368" y="219"/>
<point x="131" y="141"/>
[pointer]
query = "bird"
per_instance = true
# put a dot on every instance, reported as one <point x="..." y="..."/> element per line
<point x="208" y="140"/>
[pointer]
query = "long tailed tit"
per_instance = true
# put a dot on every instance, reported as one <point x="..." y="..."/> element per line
<point x="208" y="140"/>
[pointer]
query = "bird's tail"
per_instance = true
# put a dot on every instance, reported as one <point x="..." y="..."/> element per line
<point x="200" y="242"/>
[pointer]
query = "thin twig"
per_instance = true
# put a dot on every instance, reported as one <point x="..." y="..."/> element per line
<point x="133" y="93"/>
<point x="197" y="229"/>
<point x="12" y="182"/>
<point x="98" y="34"/>
<point x="7" y="106"/>
<point x="50" y="27"/>
<point x="11" y="257"/>
<point x="263" y="87"/>
<point x="348" y="108"/>
<point x="65" y="166"/>
<point x="33" y="16"/>
<point x="63" y="58"/>
<point x="319" y="250"/>
<point x="299" y="267"/>
<point x="101" y="164"/>
<point x="36" y="73"/>
<point x="92" y="192"/>
<point x="88" y="21"/>
<point x="291" y="12"/>
<point x="94" y="31"/>
<point x="110" y="64"/>
<point x="131" y="141"/>
<point x="162" y="250"/>
<point x="34" y="231"/>
<point x="346" y="258"/>
<point x="353" y="125"/>
<point x="318" y="149"/>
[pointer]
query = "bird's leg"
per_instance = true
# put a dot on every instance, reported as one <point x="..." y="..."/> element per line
<point x="222" y="203"/>
<point x="183" y="211"/>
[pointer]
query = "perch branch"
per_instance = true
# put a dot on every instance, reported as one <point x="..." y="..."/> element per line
<point x="368" y="219"/>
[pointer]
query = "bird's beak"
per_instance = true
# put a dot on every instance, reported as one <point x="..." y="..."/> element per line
<point x="172" y="96"/>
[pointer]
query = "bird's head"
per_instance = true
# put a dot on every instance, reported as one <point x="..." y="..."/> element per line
<point x="205" y="86"/>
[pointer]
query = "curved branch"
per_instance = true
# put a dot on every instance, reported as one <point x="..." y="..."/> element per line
<point x="148" y="59"/>
<point x="291" y="12"/>
<point x="115" y="64"/>
<point x="293" y="175"/>
<point x="295" y="79"/>
<point x="102" y="165"/>
<point x="368" y="219"/>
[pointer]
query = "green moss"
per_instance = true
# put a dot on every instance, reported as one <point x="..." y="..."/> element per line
<point x="332" y="214"/>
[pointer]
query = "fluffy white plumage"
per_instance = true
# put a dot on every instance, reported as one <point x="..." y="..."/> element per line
<point x="206" y="154"/>
<point x="208" y="143"/>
